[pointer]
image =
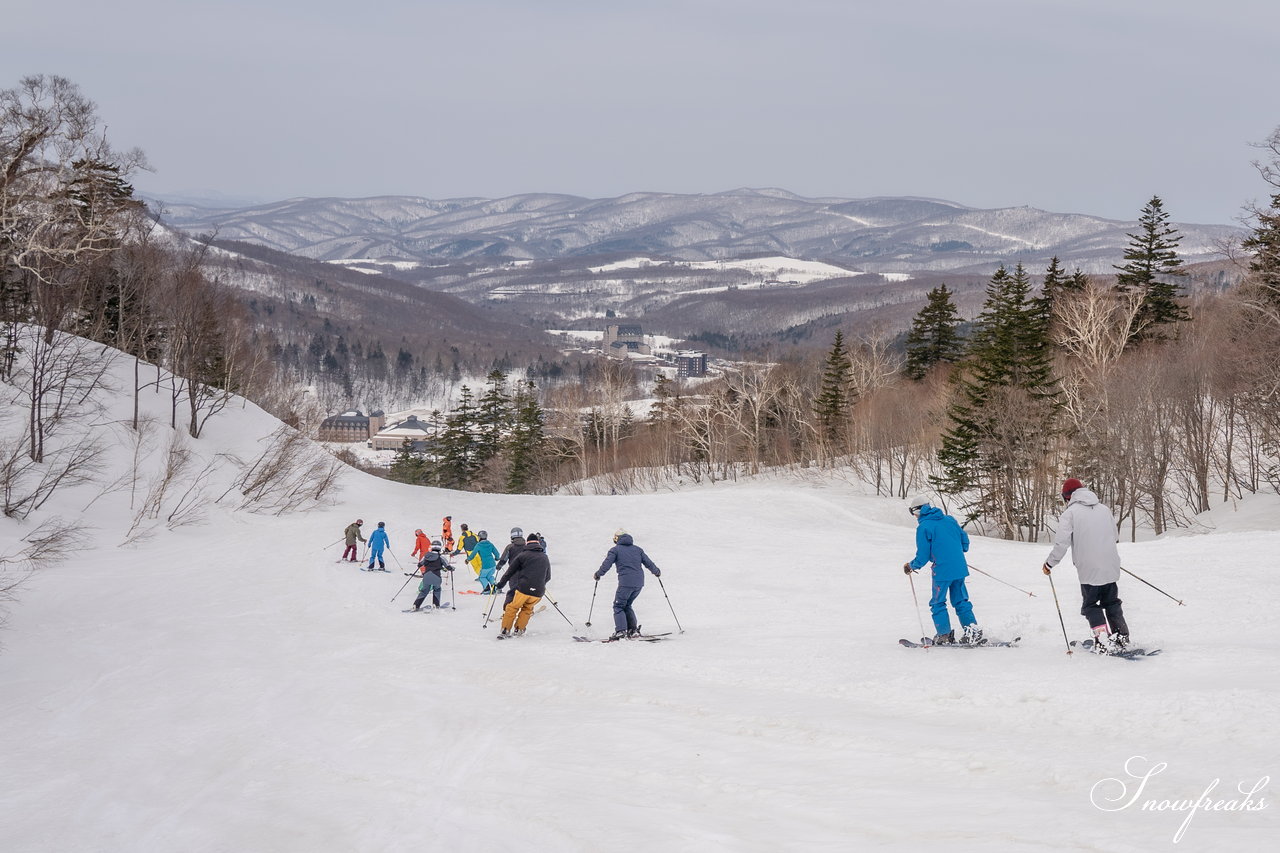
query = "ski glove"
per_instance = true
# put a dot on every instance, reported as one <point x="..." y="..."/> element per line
<point x="598" y="575"/>
<point x="657" y="573"/>
<point x="1045" y="569"/>
<point x="906" y="568"/>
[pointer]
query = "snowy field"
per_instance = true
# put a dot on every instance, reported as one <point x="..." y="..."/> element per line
<point x="230" y="687"/>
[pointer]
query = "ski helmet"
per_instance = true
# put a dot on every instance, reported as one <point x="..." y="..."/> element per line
<point x="516" y="533"/>
<point x="382" y="524"/>
<point x="483" y="534"/>
<point x="917" y="503"/>
<point x="619" y="533"/>
<point x="359" y="521"/>
<point x="435" y="545"/>
<point x="418" y="532"/>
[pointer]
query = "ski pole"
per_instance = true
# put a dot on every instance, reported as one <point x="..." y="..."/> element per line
<point x="557" y="607"/>
<point x="492" y="601"/>
<point x="1055" y="604"/>
<point x="453" y="593"/>
<point x="331" y="544"/>
<point x="406" y="583"/>
<point x="593" y="602"/>
<point x="994" y="578"/>
<point x="668" y="598"/>
<point x="911" y="576"/>
<point x="394" y="557"/>
<point x="1153" y="586"/>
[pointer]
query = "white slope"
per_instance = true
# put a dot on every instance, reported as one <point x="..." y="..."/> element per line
<point x="230" y="687"/>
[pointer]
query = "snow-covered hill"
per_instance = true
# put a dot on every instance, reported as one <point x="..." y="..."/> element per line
<point x="228" y="686"/>
<point x="900" y="235"/>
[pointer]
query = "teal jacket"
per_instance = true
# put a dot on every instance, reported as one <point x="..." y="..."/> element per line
<point x="488" y="554"/>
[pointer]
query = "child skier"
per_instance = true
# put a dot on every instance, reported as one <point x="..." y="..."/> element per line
<point x="446" y="534"/>
<point x="432" y="566"/>
<point x="941" y="540"/>
<point x="487" y="553"/>
<point x="631" y="561"/>
<point x="378" y="542"/>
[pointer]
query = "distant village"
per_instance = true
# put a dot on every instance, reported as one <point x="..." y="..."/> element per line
<point x="621" y="341"/>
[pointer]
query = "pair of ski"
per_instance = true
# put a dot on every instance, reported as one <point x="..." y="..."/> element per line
<point x="983" y="644"/>
<point x="1128" y="654"/>
<point x="427" y="608"/>
<point x="648" y="638"/>
<point x="383" y="569"/>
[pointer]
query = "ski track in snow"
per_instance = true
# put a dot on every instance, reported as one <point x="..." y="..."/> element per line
<point x="231" y="687"/>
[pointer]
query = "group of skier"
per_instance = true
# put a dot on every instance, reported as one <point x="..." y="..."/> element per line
<point x="1086" y="527"/>
<point x="528" y="570"/>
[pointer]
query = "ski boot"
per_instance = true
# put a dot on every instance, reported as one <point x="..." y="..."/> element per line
<point x="948" y="639"/>
<point x="633" y="632"/>
<point x="972" y="636"/>
<point x="620" y="635"/>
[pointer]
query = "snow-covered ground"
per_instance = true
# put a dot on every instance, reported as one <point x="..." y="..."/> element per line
<point x="231" y="687"/>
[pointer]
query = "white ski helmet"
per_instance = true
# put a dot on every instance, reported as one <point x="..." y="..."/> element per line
<point x="435" y="545"/>
<point x="516" y="533"/>
<point x="917" y="502"/>
<point x="483" y="534"/>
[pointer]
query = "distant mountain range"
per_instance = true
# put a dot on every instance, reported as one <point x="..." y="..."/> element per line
<point x="880" y="235"/>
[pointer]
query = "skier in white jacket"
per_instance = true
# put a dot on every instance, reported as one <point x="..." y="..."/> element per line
<point x="1088" y="528"/>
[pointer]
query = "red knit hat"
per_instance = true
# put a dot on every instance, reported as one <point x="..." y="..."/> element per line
<point x="1070" y="486"/>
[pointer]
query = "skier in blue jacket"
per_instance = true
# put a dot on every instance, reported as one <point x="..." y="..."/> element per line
<point x="488" y="553"/>
<point x="631" y="561"/>
<point x="942" y="541"/>
<point x="378" y="542"/>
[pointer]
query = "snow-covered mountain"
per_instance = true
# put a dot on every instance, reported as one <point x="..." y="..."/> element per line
<point x="874" y="235"/>
<point x="222" y="683"/>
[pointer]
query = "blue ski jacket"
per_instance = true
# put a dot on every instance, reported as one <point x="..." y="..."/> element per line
<point x="378" y="540"/>
<point x="631" y="561"/>
<point x="942" y="541"/>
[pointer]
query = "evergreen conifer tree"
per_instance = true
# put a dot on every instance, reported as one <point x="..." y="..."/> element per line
<point x="831" y="406"/>
<point x="1004" y="412"/>
<point x="408" y="466"/>
<point x="934" y="337"/>
<point x="526" y="447"/>
<point x="1264" y="244"/>
<point x="1151" y="264"/>
<point x="493" y="418"/>
<point x="457" y="466"/>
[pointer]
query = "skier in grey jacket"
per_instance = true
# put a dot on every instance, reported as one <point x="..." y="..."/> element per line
<point x="1088" y="528"/>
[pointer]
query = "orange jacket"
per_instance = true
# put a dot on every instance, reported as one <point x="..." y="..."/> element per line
<point x="422" y="545"/>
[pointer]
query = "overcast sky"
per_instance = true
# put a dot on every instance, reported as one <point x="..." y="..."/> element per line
<point x="1080" y="106"/>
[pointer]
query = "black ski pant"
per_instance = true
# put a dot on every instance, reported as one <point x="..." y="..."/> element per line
<point x="1102" y="606"/>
